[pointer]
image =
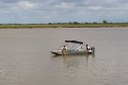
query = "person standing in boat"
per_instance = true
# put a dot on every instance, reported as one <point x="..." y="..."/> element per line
<point x="64" y="49"/>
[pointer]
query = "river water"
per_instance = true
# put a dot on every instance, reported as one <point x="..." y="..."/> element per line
<point x="25" y="57"/>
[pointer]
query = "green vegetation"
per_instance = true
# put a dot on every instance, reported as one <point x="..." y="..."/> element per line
<point x="65" y="25"/>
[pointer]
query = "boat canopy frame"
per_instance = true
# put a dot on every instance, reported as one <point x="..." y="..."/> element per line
<point x="73" y="41"/>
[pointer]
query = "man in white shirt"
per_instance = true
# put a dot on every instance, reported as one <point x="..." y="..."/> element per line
<point x="87" y="47"/>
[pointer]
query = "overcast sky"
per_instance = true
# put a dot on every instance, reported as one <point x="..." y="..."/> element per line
<point x="45" y="11"/>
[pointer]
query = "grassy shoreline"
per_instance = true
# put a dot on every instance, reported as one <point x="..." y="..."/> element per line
<point x="90" y="25"/>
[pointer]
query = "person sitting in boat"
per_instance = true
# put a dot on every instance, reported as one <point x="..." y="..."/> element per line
<point x="87" y="47"/>
<point x="93" y="49"/>
<point x="64" y="48"/>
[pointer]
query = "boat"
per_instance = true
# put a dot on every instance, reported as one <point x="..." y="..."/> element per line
<point x="74" y="47"/>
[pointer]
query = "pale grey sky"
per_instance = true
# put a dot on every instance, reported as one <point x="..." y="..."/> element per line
<point x="45" y="11"/>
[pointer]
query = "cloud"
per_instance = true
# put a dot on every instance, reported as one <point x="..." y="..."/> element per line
<point x="9" y="1"/>
<point x="63" y="10"/>
<point x="26" y="4"/>
<point x="64" y="5"/>
<point x="95" y="8"/>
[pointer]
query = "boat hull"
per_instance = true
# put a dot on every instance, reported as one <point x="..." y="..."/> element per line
<point x="72" y="52"/>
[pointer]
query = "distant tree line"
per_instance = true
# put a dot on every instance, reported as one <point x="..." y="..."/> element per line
<point x="75" y="22"/>
<point x="103" y="22"/>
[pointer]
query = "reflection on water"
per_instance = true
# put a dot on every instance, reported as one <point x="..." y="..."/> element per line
<point x="75" y="61"/>
<point x="74" y="69"/>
